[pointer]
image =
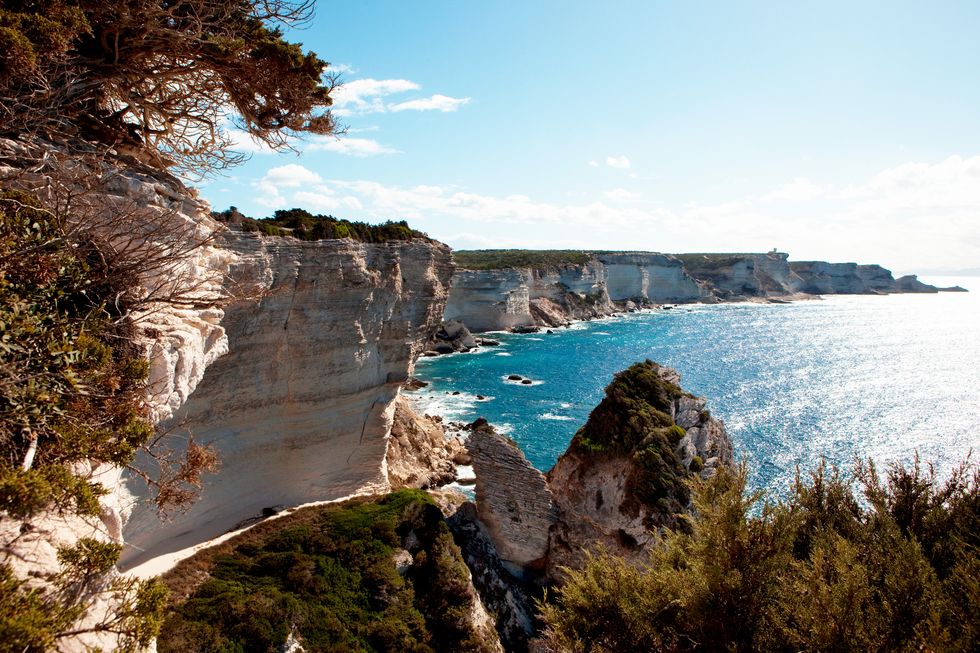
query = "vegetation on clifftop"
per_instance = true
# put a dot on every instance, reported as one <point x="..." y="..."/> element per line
<point x="303" y="225"/>
<point x="365" y="575"/>
<point x="497" y="259"/>
<point x="894" y="566"/>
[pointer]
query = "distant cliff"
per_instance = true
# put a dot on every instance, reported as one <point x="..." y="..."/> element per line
<point x="507" y="289"/>
<point x="553" y="292"/>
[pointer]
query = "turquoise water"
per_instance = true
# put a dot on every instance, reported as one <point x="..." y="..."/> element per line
<point x="837" y="378"/>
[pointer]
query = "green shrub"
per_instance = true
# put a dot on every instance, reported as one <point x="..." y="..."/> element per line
<point x="303" y="225"/>
<point x="73" y="387"/>
<point x="328" y="573"/>
<point x="73" y="378"/>
<point x="826" y="570"/>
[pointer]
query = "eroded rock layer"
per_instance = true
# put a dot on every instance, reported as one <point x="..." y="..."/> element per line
<point x="419" y="453"/>
<point x="490" y="300"/>
<point x="320" y="340"/>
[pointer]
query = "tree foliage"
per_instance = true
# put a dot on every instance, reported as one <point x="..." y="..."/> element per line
<point x="73" y="381"/>
<point x="160" y="78"/>
<point x="891" y="568"/>
<point x="37" y="618"/>
<point x="304" y="225"/>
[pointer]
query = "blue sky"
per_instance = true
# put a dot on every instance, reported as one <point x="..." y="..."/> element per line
<point x="832" y="130"/>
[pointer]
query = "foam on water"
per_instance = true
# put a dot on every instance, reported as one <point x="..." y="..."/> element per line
<point x="879" y="376"/>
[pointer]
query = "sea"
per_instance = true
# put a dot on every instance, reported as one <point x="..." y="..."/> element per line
<point x="836" y="379"/>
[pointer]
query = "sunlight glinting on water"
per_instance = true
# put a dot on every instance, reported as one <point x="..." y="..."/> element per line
<point x="847" y="376"/>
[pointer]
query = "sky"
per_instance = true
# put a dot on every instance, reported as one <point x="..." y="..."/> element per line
<point x="839" y="131"/>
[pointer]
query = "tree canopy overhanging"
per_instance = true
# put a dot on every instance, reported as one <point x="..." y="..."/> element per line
<point x="161" y="78"/>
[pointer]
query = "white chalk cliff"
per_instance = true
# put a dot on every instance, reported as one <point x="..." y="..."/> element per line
<point x="300" y="408"/>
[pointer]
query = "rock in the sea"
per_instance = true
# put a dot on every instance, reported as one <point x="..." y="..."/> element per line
<point x="453" y="336"/>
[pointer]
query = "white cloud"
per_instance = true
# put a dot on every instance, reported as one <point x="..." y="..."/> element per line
<point x="291" y="175"/>
<point x="800" y="189"/>
<point x="437" y="102"/>
<point x="908" y="216"/>
<point x="362" y="96"/>
<point x="341" y="69"/>
<point x="241" y="141"/>
<point x="621" y="195"/>
<point x="593" y="164"/>
<point x="621" y="162"/>
<point x="365" y="95"/>
<point x="359" y="147"/>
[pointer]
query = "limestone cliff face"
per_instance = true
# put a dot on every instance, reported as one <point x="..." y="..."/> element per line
<point x="491" y="300"/>
<point x="512" y="498"/>
<point x="300" y="407"/>
<point x="737" y="276"/>
<point x="648" y="277"/>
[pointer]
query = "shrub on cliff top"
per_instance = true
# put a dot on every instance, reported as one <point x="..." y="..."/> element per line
<point x="329" y="575"/>
<point x="891" y="568"/>
<point x="634" y="419"/>
<point x="496" y="259"/>
<point x="302" y="224"/>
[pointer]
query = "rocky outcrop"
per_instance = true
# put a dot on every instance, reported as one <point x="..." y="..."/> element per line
<point x="420" y="455"/>
<point x="621" y="479"/>
<point x="510" y="600"/>
<point x="512" y="499"/>
<point x="300" y="408"/>
<point x="617" y="492"/>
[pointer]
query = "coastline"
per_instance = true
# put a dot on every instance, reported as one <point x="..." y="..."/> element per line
<point x="787" y="395"/>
